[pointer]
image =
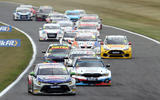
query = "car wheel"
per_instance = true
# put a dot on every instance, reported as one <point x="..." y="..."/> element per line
<point x="29" y="91"/>
<point x="33" y="89"/>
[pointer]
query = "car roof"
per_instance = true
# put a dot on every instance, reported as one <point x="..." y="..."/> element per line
<point x="58" y="45"/>
<point x="46" y="7"/>
<point x="22" y="8"/>
<point x="27" y="6"/>
<point x="112" y="36"/>
<point x="51" y="24"/>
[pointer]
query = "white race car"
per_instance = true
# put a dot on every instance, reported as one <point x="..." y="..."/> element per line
<point x="22" y="14"/>
<point x="91" y="20"/>
<point x="78" y="53"/>
<point x="51" y="78"/>
<point x="88" y="41"/>
<point x="66" y="25"/>
<point x="88" y="28"/>
<point x="53" y="16"/>
<point x="50" y="31"/>
<point x="91" y="71"/>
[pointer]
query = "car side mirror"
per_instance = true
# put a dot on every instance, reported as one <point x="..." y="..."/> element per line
<point x="43" y="51"/>
<point x="130" y="43"/>
<point x="102" y="43"/>
<point x="32" y="74"/>
<point x="108" y="65"/>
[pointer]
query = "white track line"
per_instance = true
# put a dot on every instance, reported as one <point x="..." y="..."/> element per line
<point x="133" y="33"/>
<point x="27" y="68"/>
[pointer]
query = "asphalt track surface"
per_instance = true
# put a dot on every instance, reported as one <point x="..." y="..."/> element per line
<point x="132" y="79"/>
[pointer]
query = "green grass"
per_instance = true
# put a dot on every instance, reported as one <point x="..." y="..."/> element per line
<point x="141" y="16"/>
<point x="13" y="60"/>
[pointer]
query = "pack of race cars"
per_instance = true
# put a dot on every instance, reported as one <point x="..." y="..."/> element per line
<point x="77" y="58"/>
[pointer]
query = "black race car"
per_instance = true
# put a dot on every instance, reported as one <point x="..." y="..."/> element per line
<point x="43" y="12"/>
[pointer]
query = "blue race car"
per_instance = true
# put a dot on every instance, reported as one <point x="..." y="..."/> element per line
<point x="74" y="15"/>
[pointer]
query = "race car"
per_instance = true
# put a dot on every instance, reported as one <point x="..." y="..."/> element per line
<point x="51" y="78"/>
<point x="53" y="16"/>
<point x="33" y="9"/>
<point x="68" y="37"/>
<point x="50" y="31"/>
<point x="91" y="20"/>
<point x="66" y="25"/>
<point x="91" y="15"/>
<point x="43" y="13"/>
<point x="88" y="41"/>
<point x="22" y="14"/>
<point x="91" y="71"/>
<point x="92" y="28"/>
<point x="78" y="53"/>
<point x="74" y="15"/>
<point x="56" y="53"/>
<point x="116" y="46"/>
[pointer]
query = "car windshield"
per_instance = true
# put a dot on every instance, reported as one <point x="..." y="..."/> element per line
<point x="52" y="71"/>
<point x="23" y="11"/>
<point x="87" y="27"/>
<point x="73" y="13"/>
<point x="47" y="11"/>
<point x="116" y="40"/>
<point x="89" y="64"/>
<point x="80" y="55"/>
<point x="69" y="35"/>
<point x="89" y="20"/>
<point x="52" y="27"/>
<point x="58" y="51"/>
<point x="59" y="19"/>
<point x="87" y="38"/>
<point x="65" y="24"/>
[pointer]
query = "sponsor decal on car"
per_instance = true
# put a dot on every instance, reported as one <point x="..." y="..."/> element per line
<point x="5" y="28"/>
<point x="10" y="42"/>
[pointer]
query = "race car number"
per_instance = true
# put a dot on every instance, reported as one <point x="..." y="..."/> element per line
<point x="91" y="79"/>
<point x="115" y="52"/>
<point x="53" y="87"/>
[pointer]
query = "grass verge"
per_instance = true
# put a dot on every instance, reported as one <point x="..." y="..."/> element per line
<point x="13" y="60"/>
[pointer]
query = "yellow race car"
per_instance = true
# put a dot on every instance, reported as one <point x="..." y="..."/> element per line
<point x="116" y="46"/>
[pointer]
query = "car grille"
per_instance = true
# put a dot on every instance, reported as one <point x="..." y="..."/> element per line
<point x="115" y="52"/>
<point x="58" y="60"/>
<point x="61" y="89"/>
<point x="91" y="75"/>
<point x="24" y="16"/>
<point x="74" y="20"/>
<point x="52" y="35"/>
<point x="92" y="82"/>
<point x="89" y="47"/>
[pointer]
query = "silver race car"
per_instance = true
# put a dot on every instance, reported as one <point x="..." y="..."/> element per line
<point x="51" y="78"/>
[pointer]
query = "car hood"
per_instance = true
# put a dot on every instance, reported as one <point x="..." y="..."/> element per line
<point x="117" y="47"/>
<point x="86" y="43"/>
<point x="82" y="70"/>
<point x="54" y="78"/>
